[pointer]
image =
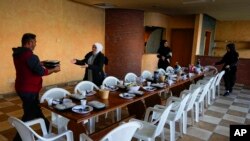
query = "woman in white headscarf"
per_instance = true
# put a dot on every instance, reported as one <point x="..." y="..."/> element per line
<point x="93" y="62"/>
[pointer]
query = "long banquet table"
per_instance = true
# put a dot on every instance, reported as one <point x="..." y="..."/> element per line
<point x="114" y="102"/>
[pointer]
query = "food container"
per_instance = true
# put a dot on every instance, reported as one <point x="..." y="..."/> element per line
<point x="103" y="94"/>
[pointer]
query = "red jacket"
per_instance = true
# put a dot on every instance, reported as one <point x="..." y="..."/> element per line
<point x="29" y="71"/>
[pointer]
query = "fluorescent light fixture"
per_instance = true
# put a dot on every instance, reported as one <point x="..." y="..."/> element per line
<point x="196" y="1"/>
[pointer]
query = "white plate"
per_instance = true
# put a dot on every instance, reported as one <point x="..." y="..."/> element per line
<point x="113" y="88"/>
<point x="136" y="92"/>
<point x="158" y="85"/>
<point x="149" y="88"/>
<point x="77" y="96"/>
<point x="126" y="95"/>
<point x="64" y="106"/>
<point x="89" y="93"/>
<point x="82" y="109"/>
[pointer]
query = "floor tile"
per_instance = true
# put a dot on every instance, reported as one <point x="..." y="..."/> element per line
<point x="234" y="118"/>
<point x="221" y="105"/>
<point x="227" y="123"/>
<point x="242" y="101"/>
<point x="214" y="114"/>
<point x="240" y="105"/>
<point x="199" y="133"/>
<point x="217" y="109"/>
<point x="205" y="125"/>
<point x="236" y="113"/>
<point x="227" y="102"/>
<point x="6" y="104"/>
<point x="218" y="137"/>
<point x="222" y="130"/>
<point x="5" y="125"/>
<point x="240" y="109"/>
<point x="210" y="119"/>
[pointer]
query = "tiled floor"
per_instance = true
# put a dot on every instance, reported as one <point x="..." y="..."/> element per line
<point x="213" y="126"/>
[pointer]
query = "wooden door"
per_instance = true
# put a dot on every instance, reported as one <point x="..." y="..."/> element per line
<point x="181" y="45"/>
<point x="207" y="42"/>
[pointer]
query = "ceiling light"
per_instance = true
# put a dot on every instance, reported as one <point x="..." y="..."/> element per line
<point x="196" y="1"/>
<point x="104" y="5"/>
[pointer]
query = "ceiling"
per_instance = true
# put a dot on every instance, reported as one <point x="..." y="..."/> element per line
<point x="222" y="10"/>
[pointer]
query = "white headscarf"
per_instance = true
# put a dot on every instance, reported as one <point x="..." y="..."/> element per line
<point x="99" y="47"/>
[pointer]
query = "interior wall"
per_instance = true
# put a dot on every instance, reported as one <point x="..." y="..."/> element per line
<point x="124" y="41"/>
<point x="64" y="30"/>
<point x="232" y="31"/>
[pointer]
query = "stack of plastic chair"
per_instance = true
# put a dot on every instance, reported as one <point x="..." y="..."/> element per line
<point x="146" y="75"/>
<point x="85" y="86"/>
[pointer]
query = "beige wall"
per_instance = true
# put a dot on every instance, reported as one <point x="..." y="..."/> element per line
<point x="64" y="30"/>
<point x="232" y="31"/>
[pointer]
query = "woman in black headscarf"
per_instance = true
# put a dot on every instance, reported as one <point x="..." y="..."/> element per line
<point x="164" y="54"/>
<point x="229" y="60"/>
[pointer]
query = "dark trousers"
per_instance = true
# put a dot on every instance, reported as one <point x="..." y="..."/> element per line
<point x="31" y="109"/>
<point x="229" y="79"/>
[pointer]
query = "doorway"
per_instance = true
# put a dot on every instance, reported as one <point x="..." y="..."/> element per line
<point x="181" y="45"/>
<point x="207" y="42"/>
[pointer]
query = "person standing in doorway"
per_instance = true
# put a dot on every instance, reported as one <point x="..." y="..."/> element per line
<point x="164" y="54"/>
<point x="28" y="83"/>
<point x="229" y="60"/>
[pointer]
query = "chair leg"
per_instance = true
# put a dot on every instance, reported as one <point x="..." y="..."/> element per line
<point x="192" y="117"/>
<point x="184" y="124"/>
<point x="196" y="104"/>
<point x="118" y="114"/>
<point x="172" y="130"/>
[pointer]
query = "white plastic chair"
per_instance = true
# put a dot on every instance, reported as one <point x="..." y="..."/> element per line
<point x="57" y="121"/>
<point x="217" y="83"/>
<point x="199" y="103"/>
<point x="84" y="86"/>
<point x="123" y="132"/>
<point x="161" y="71"/>
<point x="130" y="77"/>
<point x="110" y="81"/>
<point x="146" y="74"/>
<point x="28" y="134"/>
<point x="150" y="130"/>
<point x="173" y="116"/>
<point x="189" y="106"/>
<point x="169" y="69"/>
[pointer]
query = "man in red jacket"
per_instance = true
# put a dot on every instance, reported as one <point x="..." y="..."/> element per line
<point x="29" y="72"/>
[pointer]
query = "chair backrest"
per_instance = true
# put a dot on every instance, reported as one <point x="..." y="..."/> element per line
<point x="193" y="96"/>
<point x="26" y="133"/>
<point x="219" y="78"/>
<point x="110" y="81"/>
<point x="130" y="77"/>
<point x="170" y="69"/>
<point x="205" y="89"/>
<point x="85" y="85"/>
<point x="54" y="93"/>
<point x="123" y="132"/>
<point x="213" y="82"/>
<point x="162" y="120"/>
<point x="146" y="74"/>
<point x="180" y="109"/>
<point x="161" y="71"/>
